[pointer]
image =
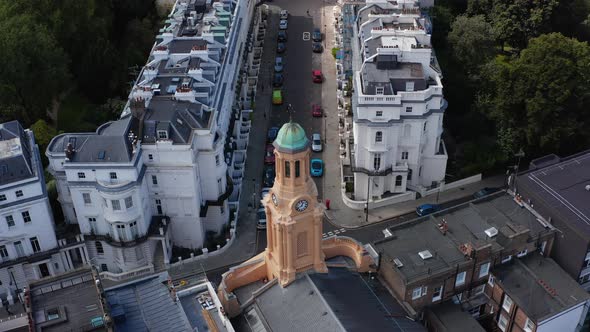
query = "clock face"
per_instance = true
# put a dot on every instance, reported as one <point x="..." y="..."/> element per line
<point x="274" y="198"/>
<point x="301" y="205"/>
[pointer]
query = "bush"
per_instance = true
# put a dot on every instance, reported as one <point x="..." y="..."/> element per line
<point x="334" y="51"/>
<point x="349" y="187"/>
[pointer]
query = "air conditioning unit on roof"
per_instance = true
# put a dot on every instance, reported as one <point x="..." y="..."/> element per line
<point x="491" y="232"/>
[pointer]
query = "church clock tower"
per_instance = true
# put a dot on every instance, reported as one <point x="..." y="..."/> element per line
<point x="293" y="215"/>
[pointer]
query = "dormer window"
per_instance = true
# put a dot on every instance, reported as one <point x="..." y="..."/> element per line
<point x="380" y="90"/>
<point x="162" y="134"/>
<point x="409" y="86"/>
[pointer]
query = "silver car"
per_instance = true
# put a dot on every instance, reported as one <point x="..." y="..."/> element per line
<point x="316" y="142"/>
<point x="284" y="14"/>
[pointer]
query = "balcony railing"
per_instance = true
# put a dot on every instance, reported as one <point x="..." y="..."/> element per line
<point x="158" y="222"/>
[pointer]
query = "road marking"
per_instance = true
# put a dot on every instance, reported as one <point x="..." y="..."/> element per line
<point x="306" y="36"/>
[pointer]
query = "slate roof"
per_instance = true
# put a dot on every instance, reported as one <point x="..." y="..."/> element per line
<point x="559" y="185"/>
<point x="539" y="286"/>
<point x="453" y="318"/>
<point x="337" y="301"/>
<point x="146" y="305"/>
<point x="15" y="153"/>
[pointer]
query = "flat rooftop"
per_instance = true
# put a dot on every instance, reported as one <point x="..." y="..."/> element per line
<point x="560" y="185"/>
<point x="15" y="153"/>
<point x="68" y="302"/>
<point x="467" y="223"/>
<point x="539" y="286"/>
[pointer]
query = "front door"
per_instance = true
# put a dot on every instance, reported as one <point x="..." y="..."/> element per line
<point x="44" y="270"/>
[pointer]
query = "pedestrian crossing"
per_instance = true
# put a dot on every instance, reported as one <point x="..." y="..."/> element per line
<point x="334" y="232"/>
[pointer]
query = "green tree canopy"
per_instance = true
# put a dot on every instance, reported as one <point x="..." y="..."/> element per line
<point x="539" y="100"/>
<point x="472" y="40"/>
<point x="33" y="69"/>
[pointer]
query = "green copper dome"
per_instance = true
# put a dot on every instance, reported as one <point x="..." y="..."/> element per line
<point x="291" y="138"/>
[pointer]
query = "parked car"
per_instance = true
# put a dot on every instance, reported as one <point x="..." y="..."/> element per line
<point x="277" y="80"/>
<point x="277" y="97"/>
<point x="279" y="64"/>
<point x="283" y="25"/>
<point x="282" y="36"/>
<point x="316" y="110"/>
<point x="316" y="35"/>
<point x="317" y="48"/>
<point x="269" y="176"/>
<point x="485" y="191"/>
<point x="284" y="14"/>
<point x="269" y="156"/>
<point x="316" y="76"/>
<point x="281" y="47"/>
<point x="317" y="167"/>
<point x="261" y="214"/>
<point x="426" y="209"/>
<point x="272" y="133"/>
<point x="316" y="142"/>
<point x="265" y="191"/>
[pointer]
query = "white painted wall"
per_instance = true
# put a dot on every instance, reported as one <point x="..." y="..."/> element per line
<point x="569" y="320"/>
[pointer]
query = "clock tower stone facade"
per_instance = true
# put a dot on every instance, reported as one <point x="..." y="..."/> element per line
<point x="293" y="214"/>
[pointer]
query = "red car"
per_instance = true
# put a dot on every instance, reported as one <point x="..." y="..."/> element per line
<point x="317" y="76"/>
<point x="316" y="110"/>
<point x="269" y="156"/>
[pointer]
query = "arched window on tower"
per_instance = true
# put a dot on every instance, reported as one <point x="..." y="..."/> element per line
<point x="287" y="169"/>
<point x="297" y="168"/>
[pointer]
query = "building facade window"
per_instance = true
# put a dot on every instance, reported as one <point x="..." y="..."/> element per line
<point x="129" y="202"/>
<point x="409" y="86"/>
<point x="35" y="244"/>
<point x="379" y="90"/>
<point x="460" y="280"/>
<point x="522" y="253"/>
<point x="398" y="181"/>
<point x="378" y="113"/>
<point x="507" y="259"/>
<point x="502" y="322"/>
<point x="86" y="198"/>
<point x="150" y="156"/>
<point x="484" y="269"/>
<point x="491" y="281"/>
<point x="154" y="180"/>
<point x="92" y="223"/>
<point x="287" y="169"/>
<point x="217" y="162"/>
<point x="133" y="229"/>
<point x="409" y="109"/>
<point x="405" y="155"/>
<point x="437" y="294"/>
<point x="378" y="137"/>
<point x="18" y="193"/>
<point x="409" y="174"/>
<point x="81" y="175"/>
<point x="99" y="248"/>
<point x="419" y="292"/>
<point x="219" y="186"/>
<point x="116" y="204"/>
<point x="9" y="221"/>
<point x="507" y="303"/>
<point x="2" y="198"/>
<point x="377" y="161"/>
<point x="113" y="175"/>
<point x="529" y="326"/>
<point x="18" y="247"/>
<point x="26" y="217"/>
<point x="162" y="134"/>
<point x="3" y="252"/>
<point x="104" y="268"/>
<point x="121" y="232"/>
<point x="297" y="168"/>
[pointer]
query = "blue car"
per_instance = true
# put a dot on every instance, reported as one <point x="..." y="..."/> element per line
<point x="279" y="64"/>
<point x="426" y="209"/>
<point x="317" y="167"/>
<point x="272" y="134"/>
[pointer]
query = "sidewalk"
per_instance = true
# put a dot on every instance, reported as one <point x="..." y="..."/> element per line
<point x="243" y="246"/>
<point x="341" y="215"/>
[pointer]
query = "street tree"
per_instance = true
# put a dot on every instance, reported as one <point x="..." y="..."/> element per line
<point x="539" y="100"/>
<point x="472" y="41"/>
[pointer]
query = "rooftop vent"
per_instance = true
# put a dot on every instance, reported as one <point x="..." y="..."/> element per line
<point x="491" y="232"/>
<point x="587" y="187"/>
<point x="425" y="254"/>
<point x="397" y="262"/>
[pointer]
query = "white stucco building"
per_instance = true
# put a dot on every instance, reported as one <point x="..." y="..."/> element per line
<point x="398" y="103"/>
<point x="29" y="248"/>
<point x="157" y="177"/>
